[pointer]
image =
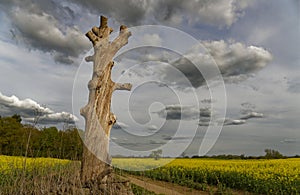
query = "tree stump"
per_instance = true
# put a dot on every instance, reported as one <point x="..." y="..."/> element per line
<point x="95" y="165"/>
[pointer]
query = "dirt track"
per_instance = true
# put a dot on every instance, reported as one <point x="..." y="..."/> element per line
<point x="160" y="187"/>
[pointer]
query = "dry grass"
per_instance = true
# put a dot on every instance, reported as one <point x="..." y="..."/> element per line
<point x="20" y="175"/>
<point x="57" y="178"/>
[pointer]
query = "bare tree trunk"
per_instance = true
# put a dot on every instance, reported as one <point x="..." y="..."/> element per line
<point x="97" y="113"/>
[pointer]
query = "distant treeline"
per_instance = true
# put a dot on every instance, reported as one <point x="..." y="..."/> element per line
<point x="270" y="154"/>
<point x="17" y="139"/>
<point x="273" y="155"/>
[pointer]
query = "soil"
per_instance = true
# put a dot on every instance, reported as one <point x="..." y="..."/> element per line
<point x="167" y="188"/>
<point x="160" y="187"/>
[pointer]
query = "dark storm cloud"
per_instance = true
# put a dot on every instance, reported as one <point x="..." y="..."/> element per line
<point x="246" y="106"/>
<point x="206" y="118"/>
<point x="235" y="61"/>
<point x="289" y="140"/>
<point x="29" y="109"/>
<point x="178" y="112"/>
<point x="252" y="115"/>
<point x="46" y="26"/>
<point x="129" y="12"/>
<point x="152" y="127"/>
<point x="205" y="121"/>
<point x="120" y="125"/>
<point x="229" y="121"/>
<point x="175" y="138"/>
<point x="43" y="32"/>
<point x="49" y="25"/>
<point x="172" y="12"/>
<point x="248" y="112"/>
<point x="60" y="58"/>
<point x="236" y="58"/>
<point x="294" y="85"/>
<point x="207" y="101"/>
<point x="155" y="142"/>
<point x="205" y="112"/>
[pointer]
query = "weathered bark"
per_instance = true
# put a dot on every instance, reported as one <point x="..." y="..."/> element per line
<point x="97" y="113"/>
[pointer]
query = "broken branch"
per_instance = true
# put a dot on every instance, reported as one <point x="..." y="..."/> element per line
<point x="123" y="86"/>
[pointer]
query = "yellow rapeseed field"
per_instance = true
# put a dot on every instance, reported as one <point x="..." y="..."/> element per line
<point x="280" y="176"/>
<point x="20" y="175"/>
<point x="9" y="163"/>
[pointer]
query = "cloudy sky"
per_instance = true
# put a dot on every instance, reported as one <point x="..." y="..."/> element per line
<point x="213" y="77"/>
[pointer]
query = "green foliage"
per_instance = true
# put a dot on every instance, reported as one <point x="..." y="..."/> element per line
<point x="48" y="142"/>
<point x="156" y="154"/>
<point x="137" y="190"/>
<point x="17" y="118"/>
<point x="272" y="154"/>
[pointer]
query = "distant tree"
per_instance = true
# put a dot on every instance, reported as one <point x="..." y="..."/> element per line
<point x="17" y="118"/>
<point x="183" y="155"/>
<point x="11" y="136"/>
<point x="156" y="154"/>
<point x="33" y="147"/>
<point x="273" y="154"/>
<point x="72" y="145"/>
<point x="50" y="142"/>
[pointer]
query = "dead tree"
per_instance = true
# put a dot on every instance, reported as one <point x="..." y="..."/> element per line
<point x="97" y="113"/>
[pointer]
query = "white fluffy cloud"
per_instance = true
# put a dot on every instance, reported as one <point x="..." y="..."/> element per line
<point x="54" y="118"/>
<point x="29" y="109"/>
<point x="26" y="107"/>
